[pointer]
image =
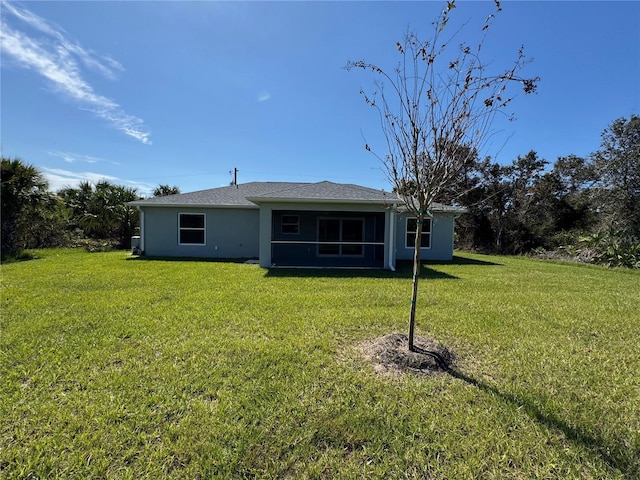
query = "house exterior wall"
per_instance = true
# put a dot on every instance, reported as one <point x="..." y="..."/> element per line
<point x="232" y="233"/>
<point x="229" y="232"/>
<point x="441" y="238"/>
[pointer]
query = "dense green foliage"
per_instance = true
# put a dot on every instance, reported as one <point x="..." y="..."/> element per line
<point x="187" y="369"/>
<point x="526" y="205"/>
<point x="34" y="217"/>
<point x="617" y="171"/>
<point x="101" y="211"/>
<point x="31" y="216"/>
<point x="164" y="190"/>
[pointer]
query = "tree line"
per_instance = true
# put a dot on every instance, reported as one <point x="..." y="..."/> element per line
<point x="587" y="208"/>
<point x="96" y="216"/>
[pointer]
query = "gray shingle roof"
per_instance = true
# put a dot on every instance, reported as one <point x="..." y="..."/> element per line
<point x="239" y="195"/>
<point x="232" y="195"/>
<point x="326" y="192"/>
<point x="249" y="195"/>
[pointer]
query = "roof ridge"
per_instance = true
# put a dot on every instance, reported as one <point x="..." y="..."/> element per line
<point x="362" y="187"/>
<point x="290" y="186"/>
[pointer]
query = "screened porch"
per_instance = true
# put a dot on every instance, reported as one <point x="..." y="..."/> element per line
<point x="327" y="239"/>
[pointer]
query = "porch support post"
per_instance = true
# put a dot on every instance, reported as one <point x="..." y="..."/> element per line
<point x="264" y="247"/>
<point x="390" y="240"/>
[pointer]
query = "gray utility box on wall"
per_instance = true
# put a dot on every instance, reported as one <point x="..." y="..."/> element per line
<point x="135" y="245"/>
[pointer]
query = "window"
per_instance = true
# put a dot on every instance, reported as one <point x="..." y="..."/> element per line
<point x="412" y="227"/>
<point x="290" y="225"/>
<point x="340" y="236"/>
<point x="191" y="229"/>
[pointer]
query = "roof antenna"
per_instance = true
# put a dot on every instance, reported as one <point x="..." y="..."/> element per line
<point x="235" y="177"/>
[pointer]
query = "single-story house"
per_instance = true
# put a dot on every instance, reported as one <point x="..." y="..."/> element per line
<point x="285" y="224"/>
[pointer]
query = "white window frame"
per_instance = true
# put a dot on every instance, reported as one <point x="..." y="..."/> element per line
<point x="340" y="242"/>
<point x="413" y="232"/>
<point x="202" y="229"/>
<point x="296" y="224"/>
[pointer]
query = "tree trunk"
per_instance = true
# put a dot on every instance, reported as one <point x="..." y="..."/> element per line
<point x="416" y="277"/>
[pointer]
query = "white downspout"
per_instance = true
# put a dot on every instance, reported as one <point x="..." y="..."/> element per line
<point x="392" y="240"/>
<point x="141" y="230"/>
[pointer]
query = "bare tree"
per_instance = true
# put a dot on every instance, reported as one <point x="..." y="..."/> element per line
<point x="435" y="115"/>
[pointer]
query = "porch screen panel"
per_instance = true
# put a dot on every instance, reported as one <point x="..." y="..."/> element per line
<point x="340" y="232"/>
<point x="329" y="231"/>
<point x="352" y="231"/>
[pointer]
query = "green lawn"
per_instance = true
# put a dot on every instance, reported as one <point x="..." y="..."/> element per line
<point x="116" y="367"/>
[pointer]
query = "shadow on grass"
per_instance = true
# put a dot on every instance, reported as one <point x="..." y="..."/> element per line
<point x="610" y="454"/>
<point x="404" y="268"/>
<point x="402" y="272"/>
<point x="457" y="260"/>
<point x="18" y="257"/>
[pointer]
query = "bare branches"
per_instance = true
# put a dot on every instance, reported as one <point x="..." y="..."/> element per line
<point x="436" y="116"/>
<point x="437" y="108"/>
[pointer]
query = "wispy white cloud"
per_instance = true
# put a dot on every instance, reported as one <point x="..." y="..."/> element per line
<point x="103" y="64"/>
<point x="76" y="157"/>
<point x="264" y="96"/>
<point x="59" y="178"/>
<point x="59" y="60"/>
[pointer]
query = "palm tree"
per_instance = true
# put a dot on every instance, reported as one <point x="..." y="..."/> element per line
<point x="164" y="190"/>
<point x="24" y="191"/>
<point x="101" y="211"/>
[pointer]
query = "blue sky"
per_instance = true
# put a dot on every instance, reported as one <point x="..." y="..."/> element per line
<point x="180" y="93"/>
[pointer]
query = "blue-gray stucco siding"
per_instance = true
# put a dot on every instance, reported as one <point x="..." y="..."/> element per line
<point x="441" y="238"/>
<point x="233" y="232"/>
<point x="229" y="232"/>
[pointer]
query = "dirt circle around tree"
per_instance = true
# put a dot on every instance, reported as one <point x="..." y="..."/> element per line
<point x="390" y="355"/>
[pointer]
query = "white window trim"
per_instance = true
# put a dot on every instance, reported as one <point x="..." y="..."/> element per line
<point x="282" y="224"/>
<point x="340" y="243"/>
<point x="203" y="229"/>
<point x="407" y="231"/>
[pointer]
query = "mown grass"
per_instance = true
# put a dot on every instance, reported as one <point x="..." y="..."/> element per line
<point x="114" y="367"/>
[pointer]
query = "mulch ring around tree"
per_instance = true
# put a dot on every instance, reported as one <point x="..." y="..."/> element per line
<point x="390" y="355"/>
